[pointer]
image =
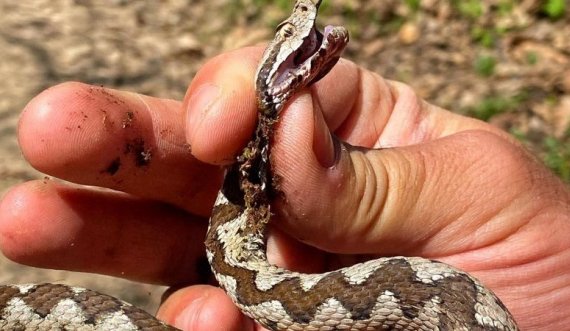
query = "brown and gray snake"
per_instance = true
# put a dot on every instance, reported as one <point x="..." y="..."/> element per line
<point x="396" y="293"/>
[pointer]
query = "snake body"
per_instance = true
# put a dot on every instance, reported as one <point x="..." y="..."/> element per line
<point x="397" y="293"/>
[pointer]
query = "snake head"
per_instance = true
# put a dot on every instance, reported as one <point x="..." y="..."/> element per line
<point x="298" y="56"/>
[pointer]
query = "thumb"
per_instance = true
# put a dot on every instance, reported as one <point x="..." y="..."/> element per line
<point x="440" y="196"/>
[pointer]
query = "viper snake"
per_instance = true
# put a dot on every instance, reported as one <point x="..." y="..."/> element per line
<point x="396" y="293"/>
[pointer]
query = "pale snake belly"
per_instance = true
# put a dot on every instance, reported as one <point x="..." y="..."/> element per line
<point x="397" y="293"/>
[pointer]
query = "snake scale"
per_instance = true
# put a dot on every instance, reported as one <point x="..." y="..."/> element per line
<point x="396" y="293"/>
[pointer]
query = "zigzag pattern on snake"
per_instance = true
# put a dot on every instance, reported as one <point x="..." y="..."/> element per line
<point x="398" y="293"/>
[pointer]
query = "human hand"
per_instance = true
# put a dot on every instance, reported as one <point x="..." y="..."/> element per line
<point x="454" y="189"/>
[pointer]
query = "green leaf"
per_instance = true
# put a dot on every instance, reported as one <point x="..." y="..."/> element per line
<point x="485" y="65"/>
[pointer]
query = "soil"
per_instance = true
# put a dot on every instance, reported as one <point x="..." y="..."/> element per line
<point x="507" y="62"/>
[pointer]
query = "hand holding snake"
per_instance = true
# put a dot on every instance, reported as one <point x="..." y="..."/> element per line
<point x="438" y="133"/>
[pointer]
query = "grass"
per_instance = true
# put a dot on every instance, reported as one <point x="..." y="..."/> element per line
<point x="531" y="58"/>
<point x="494" y="105"/>
<point x="471" y="9"/>
<point x="414" y="5"/>
<point x="557" y="157"/>
<point x="505" y="7"/>
<point x="484" y="36"/>
<point x="485" y="65"/>
<point x="555" y="153"/>
<point x="483" y="31"/>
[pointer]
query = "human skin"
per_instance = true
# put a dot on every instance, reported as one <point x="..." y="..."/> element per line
<point x="442" y="186"/>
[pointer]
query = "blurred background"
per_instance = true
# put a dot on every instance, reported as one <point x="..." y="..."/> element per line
<point x="503" y="61"/>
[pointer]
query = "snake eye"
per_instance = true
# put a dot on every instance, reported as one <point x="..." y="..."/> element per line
<point x="303" y="7"/>
<point x="286" y="29"/>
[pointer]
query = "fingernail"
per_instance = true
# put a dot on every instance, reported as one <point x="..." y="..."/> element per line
<point x="201" y="102"/>
<point x="323" y="143"/>
<point x="190" y="316"/>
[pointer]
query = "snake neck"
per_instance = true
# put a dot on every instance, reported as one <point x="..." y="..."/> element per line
<point x="242" y="209"/>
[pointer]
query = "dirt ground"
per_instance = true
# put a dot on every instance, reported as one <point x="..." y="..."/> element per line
<point x="507" y="62"/>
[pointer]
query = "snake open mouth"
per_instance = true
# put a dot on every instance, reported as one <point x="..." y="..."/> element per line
<point x="310" y="45"/>
<point x="318" y="49"/>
